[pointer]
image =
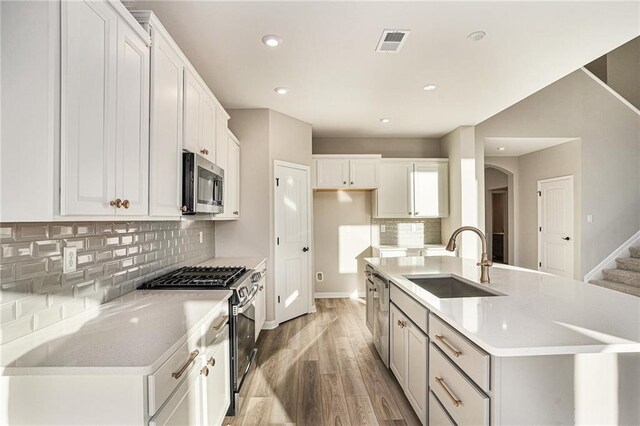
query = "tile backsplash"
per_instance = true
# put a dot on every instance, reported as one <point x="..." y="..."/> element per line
<point x="408" y="232"/>
<point x="113" y="259"/>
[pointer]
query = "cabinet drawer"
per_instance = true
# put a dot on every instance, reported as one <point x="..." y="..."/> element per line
<point x="471" y="359"/>
<point x="170" y="374"/>
<point x="438" y="416"/>
<point x="466" y="404"/>
<point x="415" y="311"/>
<point x="214" y="326"/>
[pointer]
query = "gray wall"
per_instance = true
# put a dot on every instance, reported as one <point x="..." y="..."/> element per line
<point x="577" y="106"/>
<point x="264" y="136"/>
<point x="560" y="160"/>
<point x="387" y="147"/>
<point x="623" y="71"/>
<point x="113" y="259"/>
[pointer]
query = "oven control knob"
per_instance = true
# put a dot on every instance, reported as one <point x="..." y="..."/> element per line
<point x="242" y="292"/>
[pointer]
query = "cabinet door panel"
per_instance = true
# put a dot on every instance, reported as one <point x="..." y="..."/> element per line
<point x="217" y="384"/>
<point x="192" y="113"/>
<point x="363" y="173"/>
<point x="132" y="147"/>
<point x="208" y="130"/>
<point x="394" y="190"/>
<point x="233" y="166"/>
<point x="166" y="128"/>
<point x="332" y="173"/>
<point x="221" y="135"/>
<point x="398" y="352"/>
<point x="431" y="189"/>
<point x="261" y="307"/>
<point x="417" y="362"/>
<point x="88" y="109"/>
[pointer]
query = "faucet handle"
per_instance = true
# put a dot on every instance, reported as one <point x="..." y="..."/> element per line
<point x="485" y="263"/>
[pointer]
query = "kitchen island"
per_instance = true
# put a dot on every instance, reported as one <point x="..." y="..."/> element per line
<point x="542" y="350"/>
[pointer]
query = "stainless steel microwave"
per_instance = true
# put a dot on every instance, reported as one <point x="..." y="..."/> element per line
<point x="202" y="183"/>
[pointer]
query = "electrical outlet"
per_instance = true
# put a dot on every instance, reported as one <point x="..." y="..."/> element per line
<point x="70" y="257"/>
<point x="589" y="218"/>
<point x="201" y="237"/>
<point x="383" y="228"/>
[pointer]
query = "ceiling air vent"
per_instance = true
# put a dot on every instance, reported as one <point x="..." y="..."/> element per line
<point x="391" y="41"/>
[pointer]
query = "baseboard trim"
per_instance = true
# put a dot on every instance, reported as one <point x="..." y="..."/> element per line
<point x="610" y="261"/>
<point x="270" y="325"/>
<point x="337" y="295"/>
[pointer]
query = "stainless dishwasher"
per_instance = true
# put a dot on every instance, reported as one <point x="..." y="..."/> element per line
<point x="381" y="316"/>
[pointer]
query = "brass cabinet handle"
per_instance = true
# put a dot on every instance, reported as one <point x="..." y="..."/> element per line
<point x="205" y="371"/>
<point x="416" y="213"/>
<point x="203" y="151"/>
<point x="236" y="213"/>
<point x="183" y="209"/>
<point x="192" y="357"/>
<point x="261" y="288"/>
<point x="351" y="183"/>
<point x="116" y="203"/>
<point x="452" y="397"/>
<point x="453" y="350"/>
<point x="126" y="204"/>
<point x="344" y="182"/>
<point x="211" y="362"/>
<point x="402" y="324"/>
<point x="221" y="323"/>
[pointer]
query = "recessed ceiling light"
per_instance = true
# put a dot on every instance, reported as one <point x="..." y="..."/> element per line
<point x="502" y="148"/>
<point x="385" y="120"/>
<point x="271" y="40"/>
<point x="476" y="35"/>
<point x="281" y="90"/>
<point x="429" y="87"/>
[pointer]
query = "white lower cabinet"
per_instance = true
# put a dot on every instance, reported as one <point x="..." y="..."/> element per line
<point x="409" y="360"/>
<point x="216" y="379"/>
<point x="183" y="408"/>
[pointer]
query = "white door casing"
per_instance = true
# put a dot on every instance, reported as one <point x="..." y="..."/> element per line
<point x="555" y="226"/>
<point x="292" y="260"/>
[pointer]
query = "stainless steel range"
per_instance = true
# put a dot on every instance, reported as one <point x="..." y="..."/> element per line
<point x="243" y="283"/>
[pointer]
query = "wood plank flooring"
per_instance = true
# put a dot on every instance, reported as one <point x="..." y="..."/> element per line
<point x="322" y="369"/>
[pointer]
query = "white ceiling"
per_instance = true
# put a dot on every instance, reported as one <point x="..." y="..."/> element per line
<point x="340" y="85"/>
<point x="514" y="147"/>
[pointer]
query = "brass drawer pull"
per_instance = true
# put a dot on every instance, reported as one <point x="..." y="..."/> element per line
<point x="221" y="323"/>
<point x="453" y="399"/>
<point x="116" y="203"/>
<point x="402" y="324"/>
<point x="192" y="357"/>
<point x="453" y="350"/>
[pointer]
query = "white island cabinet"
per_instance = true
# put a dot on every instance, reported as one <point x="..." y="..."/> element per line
<point x="532" y="353"/>
<point x="147" y="358"/>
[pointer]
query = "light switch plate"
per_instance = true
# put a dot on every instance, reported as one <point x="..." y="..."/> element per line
<point x="589" y="218"/>
<point x="383" y="228"/>
<point x="70" y="258"/>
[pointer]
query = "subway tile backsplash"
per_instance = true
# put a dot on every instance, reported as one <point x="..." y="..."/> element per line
<point x="113" y="259"/>
<point x="408" y="232"/>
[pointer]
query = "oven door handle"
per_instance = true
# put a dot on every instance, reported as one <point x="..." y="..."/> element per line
<point x="240" y="309"/>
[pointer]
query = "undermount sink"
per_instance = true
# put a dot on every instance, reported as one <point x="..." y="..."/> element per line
<point x="449" y="287"/>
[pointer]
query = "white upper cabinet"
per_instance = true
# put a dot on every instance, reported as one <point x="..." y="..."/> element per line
<point x="165" y="159"/>
<point x="332" y="173"/>
<point x="231" y="166"/>
<point x="431" y="189"/>
<point x="221" y="136"/>
<point x="132" y="125"/>
<point x="104" y="112"/>
<point x="363" y="173"/>
<point x="412" y="188"/>
<point x="88" y="92"/>
<point x="193" y="94"/>
<point x="340" y="171"/>
<point x="208" y="129"/>
<point x="394" y="195"/>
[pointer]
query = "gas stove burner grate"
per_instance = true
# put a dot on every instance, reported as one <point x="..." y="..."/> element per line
<point x="197" y="277"/>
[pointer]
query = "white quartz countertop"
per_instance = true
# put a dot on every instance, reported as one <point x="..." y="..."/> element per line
<point x="422" y="247"/>
<point x="540" y="314"/>
<point x="247" y="262"/>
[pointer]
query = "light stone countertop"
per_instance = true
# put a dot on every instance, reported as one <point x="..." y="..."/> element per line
<point x="131" y="335"/>
<point x="540" y="314"/>
<point x="422" y="247"/>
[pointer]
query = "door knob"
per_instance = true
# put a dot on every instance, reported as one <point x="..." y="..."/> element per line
<point x="566" y="238"/>
<point x="305" y="249"/>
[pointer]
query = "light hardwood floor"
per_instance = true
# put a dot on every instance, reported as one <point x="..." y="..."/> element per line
<point x="322" y="369"/>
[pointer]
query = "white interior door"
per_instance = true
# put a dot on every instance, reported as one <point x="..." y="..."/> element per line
<point x="292" y="232"/>
<point x="555" y="226"/>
